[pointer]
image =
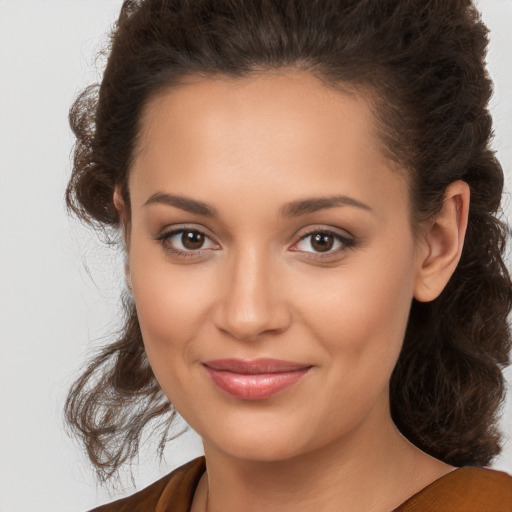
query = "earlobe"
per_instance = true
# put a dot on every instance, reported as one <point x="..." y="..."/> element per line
<point x="121" y="210"/>
<point x="118" y="201"/>
<point x="443" y="240"/>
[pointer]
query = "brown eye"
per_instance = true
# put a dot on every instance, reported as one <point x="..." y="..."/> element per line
<point x="322" y="242"/>
<point x="186" y="243"/>
<point x="192" y="240"/>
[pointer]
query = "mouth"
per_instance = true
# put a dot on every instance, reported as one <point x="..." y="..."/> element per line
<point x="254" y="380"/>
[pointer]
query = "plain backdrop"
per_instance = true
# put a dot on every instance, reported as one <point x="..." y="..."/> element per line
<point x="59" y="286"/>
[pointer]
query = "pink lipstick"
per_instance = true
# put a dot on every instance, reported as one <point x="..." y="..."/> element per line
<point x="254" y="380"/>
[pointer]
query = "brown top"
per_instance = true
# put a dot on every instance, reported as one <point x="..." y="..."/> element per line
<point x="466" y="489"/>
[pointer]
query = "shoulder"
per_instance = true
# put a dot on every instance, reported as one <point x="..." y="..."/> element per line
<point x="467" y="489"/>
<point x="177" y="487"/>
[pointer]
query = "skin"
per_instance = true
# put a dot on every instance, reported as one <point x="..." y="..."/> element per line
<point x="257" y="288"/>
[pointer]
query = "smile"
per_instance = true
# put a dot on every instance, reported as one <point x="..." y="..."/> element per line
<point x="254" y="380"/>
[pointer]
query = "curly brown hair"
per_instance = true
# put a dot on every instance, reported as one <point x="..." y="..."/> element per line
<point x="424" y="62"/>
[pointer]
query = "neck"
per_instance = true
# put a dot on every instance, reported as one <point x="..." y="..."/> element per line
<point x="369" y="470"/>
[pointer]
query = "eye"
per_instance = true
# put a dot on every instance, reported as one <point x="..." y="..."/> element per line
<point x="186" y="242"/>
<point x="323" y="242"/>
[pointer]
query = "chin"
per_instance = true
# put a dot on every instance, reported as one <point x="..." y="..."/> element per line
<point x="261" y="441"/>
<point x="262" y="450"/>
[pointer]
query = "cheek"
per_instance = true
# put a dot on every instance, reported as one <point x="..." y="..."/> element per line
<point x="358" y="319"/>
<point x="172" y="302"/>
<point x="360" y="310"/>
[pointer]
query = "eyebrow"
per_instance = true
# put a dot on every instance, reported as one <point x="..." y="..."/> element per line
<point x="292" y="209"/>
<point x="183" y="203"/>
<point x="311" y="205"/>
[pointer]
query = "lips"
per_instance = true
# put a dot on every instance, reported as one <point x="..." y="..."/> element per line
<point x="254" y="380"/>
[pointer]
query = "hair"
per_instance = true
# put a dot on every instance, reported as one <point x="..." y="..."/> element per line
<point x="423" y="63"/>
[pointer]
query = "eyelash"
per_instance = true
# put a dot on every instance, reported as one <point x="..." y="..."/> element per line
<point x="179" y="253"/>
<point x="347" y="243"/>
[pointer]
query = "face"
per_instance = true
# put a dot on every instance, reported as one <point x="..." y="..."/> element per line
<point x="272" y="262"/>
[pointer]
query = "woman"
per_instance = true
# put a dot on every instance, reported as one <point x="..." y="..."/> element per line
<point x="308" y="203"/>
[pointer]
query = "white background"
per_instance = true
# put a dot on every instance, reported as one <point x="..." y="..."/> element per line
<point x="51" y="308"/>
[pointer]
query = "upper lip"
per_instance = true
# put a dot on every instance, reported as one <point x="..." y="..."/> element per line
<point x="255" y="366"/>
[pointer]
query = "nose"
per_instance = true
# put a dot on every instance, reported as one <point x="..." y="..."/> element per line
<point x="252" y="302"/>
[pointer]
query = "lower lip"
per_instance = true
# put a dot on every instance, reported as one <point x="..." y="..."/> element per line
<point x="255" y="387"/>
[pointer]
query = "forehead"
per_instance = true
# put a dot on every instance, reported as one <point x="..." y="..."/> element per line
<point x="291" y="102"/>
<point x="282" y="131"/>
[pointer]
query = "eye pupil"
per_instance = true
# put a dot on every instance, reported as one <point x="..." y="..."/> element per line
<point x="322" y="242"/>
<point x="192" y="239"/>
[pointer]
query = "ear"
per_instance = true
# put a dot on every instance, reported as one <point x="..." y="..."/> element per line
<point x="442" y="242"/>
<point x="123" y="217"/>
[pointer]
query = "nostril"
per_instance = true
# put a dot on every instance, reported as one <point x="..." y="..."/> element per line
<point x="249" y="303"/>
<point x="250" y="321"/>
